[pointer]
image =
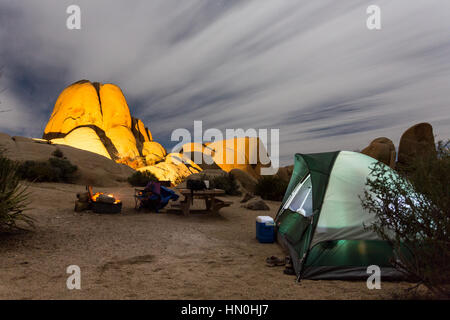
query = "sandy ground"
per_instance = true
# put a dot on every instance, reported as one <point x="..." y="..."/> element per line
<point x="138" y="255"/>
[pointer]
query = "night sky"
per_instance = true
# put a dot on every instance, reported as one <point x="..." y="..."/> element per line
<point x="310" y="68"/>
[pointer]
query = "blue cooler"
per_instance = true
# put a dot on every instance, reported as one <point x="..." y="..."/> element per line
<point x="265" y="229"/>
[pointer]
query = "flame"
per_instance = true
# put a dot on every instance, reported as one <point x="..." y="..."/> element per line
<point x="97" y="194"/>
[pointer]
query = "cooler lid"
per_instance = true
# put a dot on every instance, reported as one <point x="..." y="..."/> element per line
<point x="264" y="219"/>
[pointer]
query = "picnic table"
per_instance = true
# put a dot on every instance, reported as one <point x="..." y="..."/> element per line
<point x="213" y="204"/>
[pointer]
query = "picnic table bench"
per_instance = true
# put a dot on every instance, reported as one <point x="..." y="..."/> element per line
<point x="213" y="204"/>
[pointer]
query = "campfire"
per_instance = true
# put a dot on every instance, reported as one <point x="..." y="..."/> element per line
<point x="109" y="199"/>
<point x="99" y="202"/>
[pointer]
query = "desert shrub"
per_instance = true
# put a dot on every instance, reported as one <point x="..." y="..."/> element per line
<point x="141" y="178"/>
<point x="13" y="196"/>
<point x="413" y="211"/>
<point x="36" y="171"/>
<point x="57" y="153"/>
<point x="52" y="170"/>
<point x="65" y="169"/>
<point x="271" y="188"/>
<point x="227" y="183"/>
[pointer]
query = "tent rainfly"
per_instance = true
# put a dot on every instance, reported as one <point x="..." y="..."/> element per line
<point x="322" y="223"/>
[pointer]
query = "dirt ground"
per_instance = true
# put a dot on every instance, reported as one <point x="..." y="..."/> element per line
<point x="138" y="255"/>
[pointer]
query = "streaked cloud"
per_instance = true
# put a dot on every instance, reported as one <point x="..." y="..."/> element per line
<point x="310" y="68"/>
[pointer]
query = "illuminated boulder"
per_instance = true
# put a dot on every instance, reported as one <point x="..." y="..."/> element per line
<point x="104" y="109"/>
<point x="117" y="120"/>
<point x="175" y="168"/>
<point x="180" y="159"/>
<point x="237" y="153"/>
<point x="153" y="152"/>
<point x="115" y="109"/>
<point x="95" y="117"/>
<point x="124" y="142"/>
<point x="78" y="105"/>
<point x="84" y="138"/>
<point x="141" y="132"/>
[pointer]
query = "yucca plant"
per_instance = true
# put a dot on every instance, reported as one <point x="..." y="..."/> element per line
<point x="14" y="197"/>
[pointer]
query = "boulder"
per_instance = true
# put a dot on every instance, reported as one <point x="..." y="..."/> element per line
<point x="88" y="115"/>
<point x="415" y="142"/>
<point x="141" y="132"/>
<point x="115" y="111"/>
<point x="124" y="142"/>
<point x="84" y="138"/>
<point x="175" y="168"/>
<point x="153" y="152"/>
<point x="256" y="204"/>
<point x="95" y="117"/>
<point x="245" y="153"/>
<point x="78" y="105"/>
<point x="383" y="150"/>
<point x="247" y="197"/>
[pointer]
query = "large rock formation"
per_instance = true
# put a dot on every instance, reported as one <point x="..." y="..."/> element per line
<point x="242" y="153"/>
<point x="415" y="142"/>
<point x="95" y="117"/>
<point x="383" y="150"/>
<point x="93" y="169"/>
<point x="175" y="168"/>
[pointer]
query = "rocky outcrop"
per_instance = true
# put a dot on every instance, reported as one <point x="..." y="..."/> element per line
<point x="383" y="150"/>
<point x="93" y="169"/>
<point x="242" y="153"/>
<point x="153" y="152"/>
<point x="415" y="142"/>
<point x="174" y="168"/>
<point x="95" y="117"/>
<point x="98" y="114"/>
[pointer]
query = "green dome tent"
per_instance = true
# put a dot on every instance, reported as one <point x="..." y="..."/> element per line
<point x="321" y="221"/>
